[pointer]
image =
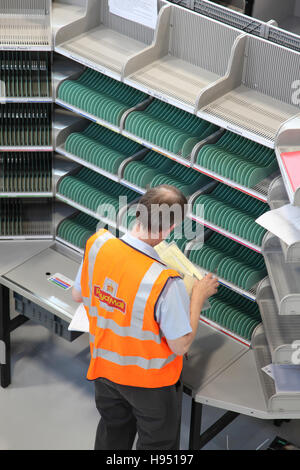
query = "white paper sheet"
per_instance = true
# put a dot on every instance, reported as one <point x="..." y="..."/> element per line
<point x="287" y="378"/>
<point x="283" y="222"/>
<point x="140" y="11"/>
<point x="80" y="320"/>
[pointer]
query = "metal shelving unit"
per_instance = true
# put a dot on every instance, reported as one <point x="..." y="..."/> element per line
<point x="26" y="110"/>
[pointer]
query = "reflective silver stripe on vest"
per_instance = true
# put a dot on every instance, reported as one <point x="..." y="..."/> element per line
<point x="130" y="331"/>
<point x="92" y="338"/>
<point x="135" y="332"/>
<point x="116" y="358"/>
<point x="93" y="252"/>
<point x="143" y="293"/>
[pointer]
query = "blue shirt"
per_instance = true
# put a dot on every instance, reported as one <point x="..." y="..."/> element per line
<point x="173" y="306"/>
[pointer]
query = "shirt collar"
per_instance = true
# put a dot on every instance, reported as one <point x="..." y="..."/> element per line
<point x="140" y="245"/>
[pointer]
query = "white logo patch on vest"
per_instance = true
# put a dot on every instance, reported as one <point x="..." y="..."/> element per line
<point x="108" y="296"/>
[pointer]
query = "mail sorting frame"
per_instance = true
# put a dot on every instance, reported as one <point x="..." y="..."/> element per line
<point x="240" y="388"/>
<point x="62" y="135"/>
<point x="31" y="26"/>
<point x="78" y="125"/>
<point x="72" y="157"/>
<point x="69" y="71"/>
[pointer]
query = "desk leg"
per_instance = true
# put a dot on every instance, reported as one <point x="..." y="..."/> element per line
<point x="197" y="440"/>
<point x="5" y="375"/>
<point x="195" y="427"/>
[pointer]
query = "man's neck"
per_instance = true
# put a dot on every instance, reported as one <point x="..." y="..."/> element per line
<point x="143" y="236"/>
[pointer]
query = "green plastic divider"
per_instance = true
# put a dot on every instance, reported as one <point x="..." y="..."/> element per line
<point x="233" y="312"/>
<point x="233" y="211"/>
<point x="100" y="96"/>
<point x="168" y="127"/>
<point x="101" y="147"/>
<point x="230" y="261"/>
<point x="95" y="192"/>
<point x="155" y="169"/>
<point x="238" y="159"/>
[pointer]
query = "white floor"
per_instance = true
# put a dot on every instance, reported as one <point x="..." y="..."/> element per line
<point x="50" y="404"/>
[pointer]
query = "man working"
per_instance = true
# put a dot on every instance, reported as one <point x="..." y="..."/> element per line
<point x="142" y="322"/>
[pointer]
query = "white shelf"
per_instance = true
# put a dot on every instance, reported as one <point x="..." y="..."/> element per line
<point x="174" y="63"/>
<point x="88" y="116"/>
<point x="281" y="331"/>
<point x="260" y="191"/>
<point x="23" y="194"/>
<point x="155" y="148"/>
<point x="4" y="100"/>
<point x="226" y="332"/>
<point x="86" y="210"/>
<point x="227" y="234"/>
<point x="86" y="164"/>
<point x="25" y="149"/>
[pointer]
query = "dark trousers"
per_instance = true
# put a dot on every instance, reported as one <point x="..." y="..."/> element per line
<point x="153" y="413"/>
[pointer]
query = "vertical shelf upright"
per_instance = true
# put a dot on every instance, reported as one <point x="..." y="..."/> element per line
<point x="26" y="106"/>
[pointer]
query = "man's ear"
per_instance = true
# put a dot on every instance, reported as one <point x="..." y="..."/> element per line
<point x="166" y="233"/>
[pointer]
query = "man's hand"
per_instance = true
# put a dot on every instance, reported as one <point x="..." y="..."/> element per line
<point x="205" y="288"/>
<point x="202" y="290"/>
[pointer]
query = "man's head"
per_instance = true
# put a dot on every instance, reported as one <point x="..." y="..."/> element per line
<point x="159" y="210"/>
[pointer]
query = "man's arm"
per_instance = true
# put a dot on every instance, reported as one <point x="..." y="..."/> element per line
<point x="76" y="291"/>
<point x="76" y="295"/>
<point x="202" y="290"/>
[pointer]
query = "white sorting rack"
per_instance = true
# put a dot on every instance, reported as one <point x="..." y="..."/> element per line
<point x="25" y="26"/>
<point x="199" y="60"/>
<point x="94" y="39"/>
<point x="255" y="98"/>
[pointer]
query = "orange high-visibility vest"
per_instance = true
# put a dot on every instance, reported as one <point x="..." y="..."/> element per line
<point x="120" y="288"/>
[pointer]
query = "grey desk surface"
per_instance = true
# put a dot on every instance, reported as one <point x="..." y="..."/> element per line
<point x="238" y="388"/>
<point x="13" y="253"/>
<point x="29" y="276"/>
<point x="210" y="353"/>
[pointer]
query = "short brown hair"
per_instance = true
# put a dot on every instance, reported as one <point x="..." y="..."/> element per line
<point x="150" y="207"/>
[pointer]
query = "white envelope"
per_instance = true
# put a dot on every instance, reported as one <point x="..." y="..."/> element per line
<point x="80" y="320"/>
